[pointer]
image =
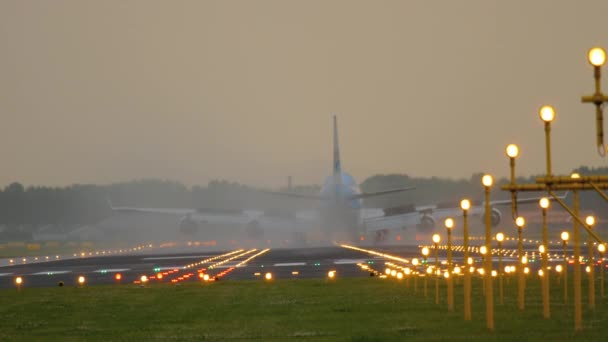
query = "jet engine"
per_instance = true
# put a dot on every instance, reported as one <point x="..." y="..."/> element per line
<point x="495" y="217"/>
<point x="427" y="223"/>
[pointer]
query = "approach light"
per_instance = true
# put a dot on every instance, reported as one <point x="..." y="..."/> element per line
<point x="425" y="251"/>
<point x="394" y="273"/>
<point x="457" y="270"/>
<point x="596" y="56"/>
<point x="436" y="238"/>
<point x="590" y="220"/>
<point x="512" y="151"/>
<point x="487" y="181"/>
<point x="526" y="270"/>
<point x="575" y="175"/>
<point x="387" y="271"/>
<point x="415" y="262"/>
<point x="500" y="237"/>
<point x="565" y="236"/>
<point x="81" y="280"/>
<point x="143" y="279"/>
<point x="588" y="269"/>
<point x="465" y="204"/>
<point x="159" y="276"/>
<point x="268" y="276"/>
<point x="449" y="223"/>
<point x="541" y="273"/>
<point x="601" y="248"/>
<point x="524" y="259"/>
<point x="544" y="203"/>
<point x="446" y="274"/>
<point x="331" y="274"/>
<point x="206" y="277"/>
<point x="547" y="113"/>
<point x="541" y="249"/>
<point x="18" y="281"/>
<point x="520" y="222"/>
<point x="494" y="273"/>
<point x="399" y="275"/>
<point x="559" y="268"/>
<point x="483" y="250"/>
<point x="118" y="276"/>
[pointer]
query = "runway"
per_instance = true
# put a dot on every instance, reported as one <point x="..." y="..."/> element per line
<point x="281" y="263"/>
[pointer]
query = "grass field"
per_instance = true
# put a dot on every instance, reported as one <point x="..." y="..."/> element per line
<point x="362" y="309"/>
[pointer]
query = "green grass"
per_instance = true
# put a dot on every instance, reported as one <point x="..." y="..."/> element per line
<point x="363" y="309"/>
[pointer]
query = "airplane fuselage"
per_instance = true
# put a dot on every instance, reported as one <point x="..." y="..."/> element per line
<point x="339" y="212"/>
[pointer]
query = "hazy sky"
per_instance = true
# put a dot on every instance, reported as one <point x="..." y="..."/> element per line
<point x="106" y="91"/>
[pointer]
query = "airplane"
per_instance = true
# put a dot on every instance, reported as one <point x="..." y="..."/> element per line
<point x="340" y="210"/>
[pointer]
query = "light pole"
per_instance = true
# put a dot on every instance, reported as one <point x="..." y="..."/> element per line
<point x="449" y="224"/>
<point x="500" y="237"/>
<point x="415" y="263"/>
<point x="512" y="152"/>
<point x="487" y="181"/>
<point x="597" y="58"/>
<point x="483" y="251"/>
<point x="520" y="222"/>
<point x="578" y="310"/>
<point x="590" y="221"/>
<point x="602" y="249"/>
<point x="436" y="239"/>
<point x="425" y="255"/>
<point x="565" y="237"/>
<point x="547" y="114"/>
<point x="544" y="204"/>
<point x="465" y="205"/>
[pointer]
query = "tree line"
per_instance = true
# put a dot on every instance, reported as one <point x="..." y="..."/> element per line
<point x="87" y="204"/>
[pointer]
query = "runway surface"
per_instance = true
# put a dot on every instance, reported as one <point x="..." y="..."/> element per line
<point x="235" y="264"/>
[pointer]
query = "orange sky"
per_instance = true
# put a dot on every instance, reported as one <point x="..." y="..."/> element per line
<point x="105" y="91"/>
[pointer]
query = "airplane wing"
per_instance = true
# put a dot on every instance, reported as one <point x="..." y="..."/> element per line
<point x="381" y="193"/>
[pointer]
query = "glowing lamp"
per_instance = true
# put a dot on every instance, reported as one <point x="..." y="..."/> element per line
<point x="541" y="249"/>
<point x="487" y="181"/>
<point x="520" y="222"/>
<point x="465" y="204"/>
<point x="415" y="262"/>
<point x="449" y="223"/>
<point x="544" y="203"/>
<point x="601" y="248"/>
<point x="547" y="113"/>
<point x="81" y="280"/>
<point x="18" y="281"/>
<point x="268" y="276"/>
<point x="565" y="236"/>
<point x="590" y="220"/>
<point x="118" y="276"/>
<point x="596" y="56"/>
<point x="500" y="237"/>
<point x="436" y="238"/>
<point x="425" y="251"/>
<point x="512" y="151"/>
<point x="559" y="268"/>
<point x="143" y="279"/>
<point x="331" y="274"/>
<point x="483" y="250"/>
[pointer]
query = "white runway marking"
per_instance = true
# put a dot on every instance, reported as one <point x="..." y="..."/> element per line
<point x="50" y="272"/>
<point x="348" y="261"/>
<point x="112" y="270"/>
<point x="290" y="264"/>
<point x="176" y="257"/>
<point x="5" y="274"/>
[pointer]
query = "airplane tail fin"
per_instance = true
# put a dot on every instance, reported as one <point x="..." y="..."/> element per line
<point x="337" y="167"/>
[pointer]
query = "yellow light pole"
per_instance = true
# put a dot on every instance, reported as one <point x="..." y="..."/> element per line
<point x="415" y="263"/>
<point x="520" y="222"/>
<point x="512" y="152"/>
<point x="500" y="237"/>
<point x="597" y="58"/>
<point x="483" y="251"/>
<point x="544" y="204"/>
<point x="547" y="115"/>
<point x="590" y="221"/>
<point x="465" y="205"/>
<point x="436" y="239"/>
<point x="578" y="310"/>
<point x="565" y="237"/>
<point x="487" y="181"/>
<point x="425" y="255"/>
<point x="602" y="249"/>
<point x="449" y="224"/>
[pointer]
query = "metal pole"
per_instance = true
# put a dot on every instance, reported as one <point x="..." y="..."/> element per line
<point x="521" y="283"/>
<point x="467" y="273"/>
<point x="545" y="264"/>
<point x="500" y="270"/>
<point x="488" y="263"/>
<point x="578" y="312"/>
<point x="591" y="275"/>
<point x="548" y="146"/>
<point x="435" y="272"/>
<point x="565" y="274"/>
<point x="450" y="281"/>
